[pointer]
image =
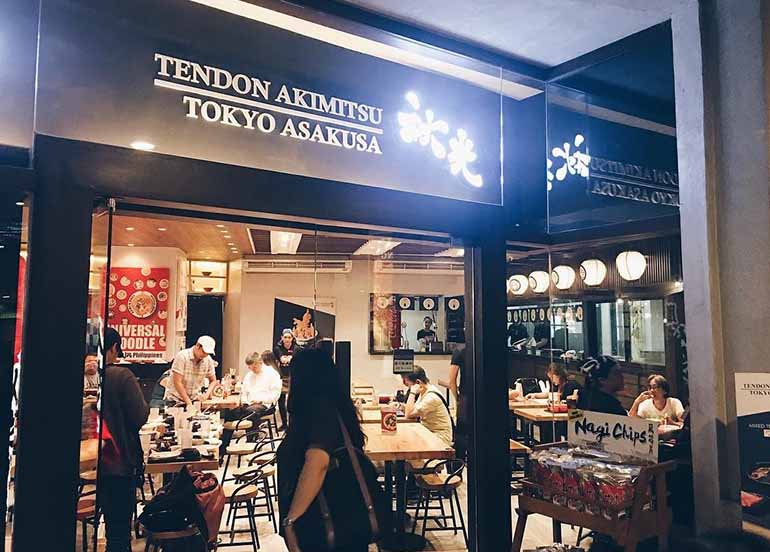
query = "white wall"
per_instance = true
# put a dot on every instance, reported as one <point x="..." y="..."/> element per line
<point x="351" y="292"/>
<point x="156" y="257"/>
<point x="231" y="357"/>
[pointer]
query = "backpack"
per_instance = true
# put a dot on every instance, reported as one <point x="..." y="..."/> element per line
<point x="176" y="506"/>
<point x="350" y="510"/>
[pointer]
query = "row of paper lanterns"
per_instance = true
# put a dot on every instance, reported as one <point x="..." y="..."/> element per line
<point x="631" y="266"/>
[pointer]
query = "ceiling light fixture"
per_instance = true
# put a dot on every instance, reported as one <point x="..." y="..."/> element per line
<point x="539" y="281"/>
<point x="563" y="276"/>
<point x="227" y="236"/>
<point x="129" y="229"/>
<point x="19" y="204"/>
<point x="376" y="247"/>
<point x="452" y="252"/>
<point x="130" y="245"/>
<point x="161" y="229"/>
<point x="284" y="243"/>
<point x="220" y="225"/>
<point x="593" y="272"/>
<point x="142" y="145"/>
<point x="518" y="284"/>
<point x="631" y="265"/>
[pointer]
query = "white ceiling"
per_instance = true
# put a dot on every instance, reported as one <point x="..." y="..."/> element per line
<point x="544" y="32"/>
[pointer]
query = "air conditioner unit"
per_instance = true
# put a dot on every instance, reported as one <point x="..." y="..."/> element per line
<point x="297" y="266"/>
<point x="449" y="268"/>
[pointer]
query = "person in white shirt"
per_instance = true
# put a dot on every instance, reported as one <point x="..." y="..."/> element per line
<point x="260" y="390"/>
<point x="428" y="404"/>
<point x="656" y="404"/>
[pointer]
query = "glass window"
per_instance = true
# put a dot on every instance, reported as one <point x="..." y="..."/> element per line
<point x="632" y="330"/>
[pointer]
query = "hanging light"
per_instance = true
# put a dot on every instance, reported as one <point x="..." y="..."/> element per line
<point x="518" y="284"/>
<point x="631" y="265"/>
<point x="593" y="272"/>
<point x="563" y="276"/>
<point x="539" y="281"/>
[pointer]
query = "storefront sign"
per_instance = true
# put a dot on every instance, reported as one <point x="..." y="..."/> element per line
<point x="752" y="401"/>
<point x="138" y="309"/>
<point x="624" y="435"/>
<point x="197" y="82"/>
<point x="633" y="182"/>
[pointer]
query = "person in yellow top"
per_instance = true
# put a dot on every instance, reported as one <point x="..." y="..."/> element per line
<point x="428" y="404"/>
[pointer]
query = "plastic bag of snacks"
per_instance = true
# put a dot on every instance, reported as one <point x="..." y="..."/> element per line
<point x="616" y="488"/>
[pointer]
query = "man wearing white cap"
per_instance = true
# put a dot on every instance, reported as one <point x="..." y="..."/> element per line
<point x="189" y="369"/>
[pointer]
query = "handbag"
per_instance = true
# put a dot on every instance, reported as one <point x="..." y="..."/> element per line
<point x="351" y="508"/>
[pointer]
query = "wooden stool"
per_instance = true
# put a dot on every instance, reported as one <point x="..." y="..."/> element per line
<point x="238" y="496"/>
<point x="437" y="487"/>
<point x="157" y="540"/>
<point x="86" y="515"/>
<point x="238" y="425"/>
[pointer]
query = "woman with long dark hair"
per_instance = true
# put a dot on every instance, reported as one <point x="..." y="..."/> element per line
<point x="318" y="405"/>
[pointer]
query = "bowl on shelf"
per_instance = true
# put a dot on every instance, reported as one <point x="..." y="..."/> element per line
<point x="206" y="273"/>
<point x="208" y="289"/>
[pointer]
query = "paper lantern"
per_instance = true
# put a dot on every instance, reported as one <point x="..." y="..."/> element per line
<point x="539" y="281"/>
<point x="593" y="272"/>
<point x="563" y="276"/>
<point x="631" y="265"/>
<point x="518" y="284"/>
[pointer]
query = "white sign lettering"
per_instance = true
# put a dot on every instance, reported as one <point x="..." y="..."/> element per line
<point x="252" y="103"/>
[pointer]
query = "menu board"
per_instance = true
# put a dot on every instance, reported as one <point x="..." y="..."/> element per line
<point x="624" y="435"/>
<point x="138" y="310"/>
<point x="752" y="402"/>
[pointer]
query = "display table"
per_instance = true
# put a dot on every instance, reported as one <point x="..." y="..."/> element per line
<point x="528" y="403"/>
<point x="626" y="530"/>
<point x="409" y="442"/>
<point x="543" y="419"/>
<point x="371" y="416"/>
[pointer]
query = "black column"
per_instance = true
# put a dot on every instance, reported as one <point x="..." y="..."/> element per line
<point x="489" y="500"/>
<point x="52" y="364"/>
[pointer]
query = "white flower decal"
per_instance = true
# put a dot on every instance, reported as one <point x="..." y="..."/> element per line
<point x="548" y="175"/>
<point x="460" y="155"/>
<point x="426" y="130"/>
<point x="575" y="162"/>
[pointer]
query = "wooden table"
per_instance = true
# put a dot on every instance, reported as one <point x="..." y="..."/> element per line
<point x="370" y="416"/>
<point x="409" y="442"/>
<point x="204" y="464"/>
<point x="540" y="417"/>
<point x="226" y="403"/>
<point x="527" y="403"/>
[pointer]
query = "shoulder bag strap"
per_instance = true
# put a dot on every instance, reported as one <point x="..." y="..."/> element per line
<point x="374" y="525"/>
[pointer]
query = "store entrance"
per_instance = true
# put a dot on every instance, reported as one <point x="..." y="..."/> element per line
<point x="388" y="304"/>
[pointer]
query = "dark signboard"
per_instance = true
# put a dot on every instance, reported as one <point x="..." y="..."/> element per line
<point x="199" y="82"/>
<point x="603" y="172"/>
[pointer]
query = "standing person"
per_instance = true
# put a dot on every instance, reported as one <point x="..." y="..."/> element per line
<point x="426" y="402"/>
<point x="458" y="389"/>
<point x="603" y="381"/>
<point x="284" y="351"/>
<point x="656" y="403"/>
<point x="316" y="403"/>
<point x="124" y="412"/>
<point x="427" y="334"/>
<point x="260" y="390"/>
<point x="191" y="367"/>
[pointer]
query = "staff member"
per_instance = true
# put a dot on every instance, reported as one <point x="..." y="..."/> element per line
<point x="284" y="352"/>
<point x="458" y="389"/>
<point x="191" y="367"/>
<point x="427" y="334"/>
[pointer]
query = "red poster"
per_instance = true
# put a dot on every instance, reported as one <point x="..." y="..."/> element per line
<point x="139" y="306"/>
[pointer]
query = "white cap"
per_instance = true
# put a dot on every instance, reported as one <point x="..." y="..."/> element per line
<point x="207" y="343"/>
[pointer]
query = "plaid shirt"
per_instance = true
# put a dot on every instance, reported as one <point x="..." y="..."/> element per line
<point x="193" y="374"/>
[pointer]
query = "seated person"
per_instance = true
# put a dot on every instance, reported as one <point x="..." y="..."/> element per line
<point x="561" y="383"/>
<point x="603" y="381"/>
<point x="426" y="402"/>
<point x="159" y="391"/>
<point x="656" y="404"/>
<point x="91" y="374"/>
<point x="260" y="391"/>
